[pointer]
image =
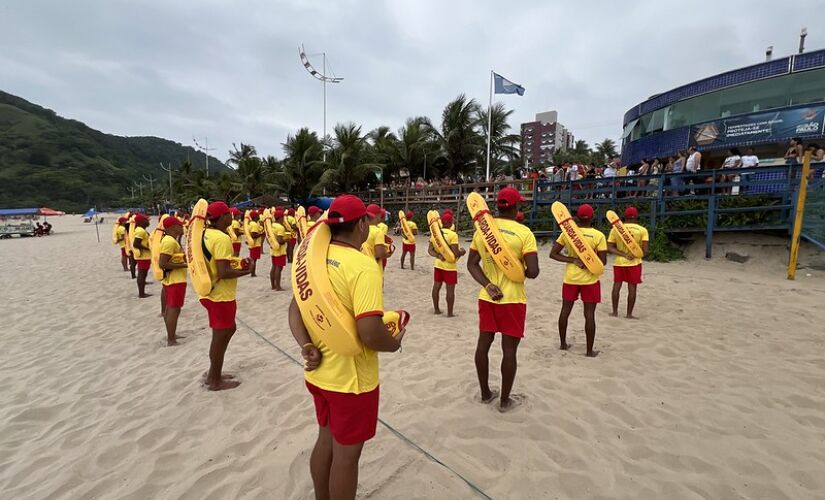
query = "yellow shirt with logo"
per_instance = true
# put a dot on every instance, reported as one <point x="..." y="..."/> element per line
<point x="237" y="228"/>
<point x="413" y="227"/>
<point x="358" y="283"/>
<point x="255" y="227"/>
<point x="143" y="236"/>
<point x="383" y="227"/>
<point x="279" y="231"/>
<point x="522" y="242"/>
<point x="573" y="274"/>
<point x="219" y="246"/>
<point x="452" y="239"/>
<point x="170" y="246"/>
<point x="639" y="234"/>
<point x="120" y="232"/>
<point x="291" y="227"/>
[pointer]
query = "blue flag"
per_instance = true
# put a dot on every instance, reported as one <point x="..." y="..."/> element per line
<point x="505" y="86"/>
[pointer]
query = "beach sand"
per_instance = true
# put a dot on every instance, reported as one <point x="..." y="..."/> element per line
<point x="718" y="391"/>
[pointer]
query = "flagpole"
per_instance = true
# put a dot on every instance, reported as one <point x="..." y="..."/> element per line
<point x="489" y="124"/>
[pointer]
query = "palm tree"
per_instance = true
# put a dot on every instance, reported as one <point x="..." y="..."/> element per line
<point x="236" y="155"/>
<point x="249" y="167"/>
<point x="382" y="151"/>
<point x="606" y="150"/>
<point x="416" y="147"/>
<point x="459" y="137"/>
<point x="346" y="166"/>
<point x="300" y="171"/>
<point x="581" y="148"/>
<point x="503" y="145"/>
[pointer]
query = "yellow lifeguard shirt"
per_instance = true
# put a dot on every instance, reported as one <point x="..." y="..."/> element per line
<point x="413" y="227"/>
<point x="358" y="283"/>
<point x="279" y="231"/>
<point x="639" y="234"/>
<point x="237" y="230"/>
<point x="376" y="237"/>
<point x="573" y="274"/>
<point x="143" y="236"/>
<point x="452" y="239"/>
<point x="121" y="236"/>
<point x="522" y="242"/>
<point x="219" y="246"/>
<point x="170" y="246"/>
<point x="254" y="227"/>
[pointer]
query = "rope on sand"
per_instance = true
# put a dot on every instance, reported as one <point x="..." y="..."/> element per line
<point x="392" y="429"/>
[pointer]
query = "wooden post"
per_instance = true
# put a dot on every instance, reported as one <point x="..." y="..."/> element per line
<point x="710" y="226"/>
<point x="799" y="214"/>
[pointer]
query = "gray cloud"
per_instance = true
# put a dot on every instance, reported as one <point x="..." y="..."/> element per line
<point x="230" y="70"/>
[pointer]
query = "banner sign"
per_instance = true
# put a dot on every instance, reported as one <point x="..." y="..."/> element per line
<point x="769" y="126"/>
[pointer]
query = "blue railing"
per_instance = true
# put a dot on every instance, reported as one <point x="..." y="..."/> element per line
<point x="706" y="201"/>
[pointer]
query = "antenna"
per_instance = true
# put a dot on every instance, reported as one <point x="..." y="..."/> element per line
<point x="802" y="34"/>
<point x="205" y="148"/>
<point x="322" y="77"/>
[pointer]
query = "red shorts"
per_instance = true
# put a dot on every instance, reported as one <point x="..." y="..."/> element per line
<point x="175" y="294"/>
<point x="408" y="247"/>
<point x="292" y="241"/>
<point x="279" y="261"/>
<point x="144" y="265"/>
<point x="236" y="247"/>
<point x="122" y="252"/>
<point x="505" y="318"/>
<point x="445" y="276"/>
<point x="628" y="274"/>
<point x="384" y="263"/>
<point x="352" y="418"/>
<point x="255" y="253"/>
<point x="591" y="294"/>
<point x="221" y="314"/>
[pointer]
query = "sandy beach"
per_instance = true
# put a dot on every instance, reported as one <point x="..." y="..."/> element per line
<point x="718" y="391"/>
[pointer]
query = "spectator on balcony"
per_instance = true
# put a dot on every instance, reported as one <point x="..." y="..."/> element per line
<point x="749" y="160"/>
<point x="794" y="152"/>
<point x="733" y="161"/>
<point x="817" y="153"/>
<point x="669" y="165"/>
<point x="693" y="163"/>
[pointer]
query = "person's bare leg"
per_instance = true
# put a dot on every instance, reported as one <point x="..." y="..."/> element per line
<point x="412" y="261"/>
<point x="163" y="302"/>
<point x="132" y="267"/>
<point x="403" y="256"/>
<point x="141" y="283"/>
<point x="253" y="265"/>
<point x="124" y="261"/>
<point x="272" y="277"/>
<point x="631" y="300"/>
<point x="485" y="340"/>
<point x="590" y="328"/>
<point x="615" y="294"/>
<point x="450" y="300"/>
<point x="343" y="473"/>
<point x="217" y="351"/>
<point x="320" y="462"/>
<point x="566" y="307"/>
<point x="436" y="296"/>
<point x="278" y="271"/>
<point x="509" y="364"/>
<point x="171" y="320"/>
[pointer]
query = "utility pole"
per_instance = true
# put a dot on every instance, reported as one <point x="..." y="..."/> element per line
<point x="151" y="180"/>
<point x="131" y="190"/>
<point x="140" y="188"/>
<point x="170" y="178"/>
<point x="206" y="149"/>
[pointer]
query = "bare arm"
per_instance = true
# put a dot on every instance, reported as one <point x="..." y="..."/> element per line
<point x="474" y="267"/>
<point x="279" y="239"/>
<point x="140" y="245"/>
<point x="431" y="251"/>
<point x="458" y="252"/>
<point x="310" y="353"/>
<point x="225" y="270"/>
<point x="165" y="262"/>
<point x="380" y="251"/>
<point x="532" y="262"/>
<point x="374" y="334"/>
<point x="603" y="256"/>
<point x="645" y="246"/>
<point x="555" y="254"/>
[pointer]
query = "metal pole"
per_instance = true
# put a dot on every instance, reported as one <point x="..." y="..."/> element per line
<point x="206" y="152"/>
<point x="97" y="230"/>
<point x="324" y="82"/>
<point x="489" y="125"/>
<point x="425" y="165"/>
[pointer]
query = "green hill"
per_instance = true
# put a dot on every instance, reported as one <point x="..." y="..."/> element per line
<point x="47" y="160"/>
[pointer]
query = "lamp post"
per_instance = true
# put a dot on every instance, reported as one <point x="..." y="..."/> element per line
<point x="206" y="149"/>
<point x="323" y="78"/>
<point x="170" y="178"/>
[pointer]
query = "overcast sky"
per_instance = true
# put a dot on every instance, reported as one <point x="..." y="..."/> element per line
<point x="230" y="70"/>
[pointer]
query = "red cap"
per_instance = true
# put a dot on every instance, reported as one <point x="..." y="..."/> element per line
<point x="408" y="214"/>
<point x="448" y="210"/>
<point x="253" y="214"/>
<point x="313" y="210"/>
<point x="585" y="212"/>
<point x="346" y="208"/>
<point x="290" y="211"/>
<point x="373" y="210"/>
<point x="631" y="213"/>
<point x="122" y="220"/>
<point x="141" y="218"/>
<point x="171" y="221"/>
<point x="520" y="216"/>
<point x="383" y="212"/>
<point x="235" y="211"/>
<point x="216" y="209"/>
<point x="509" y="197"/>
<point x="447" y="219"/>
<point x="278" y="213"/>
